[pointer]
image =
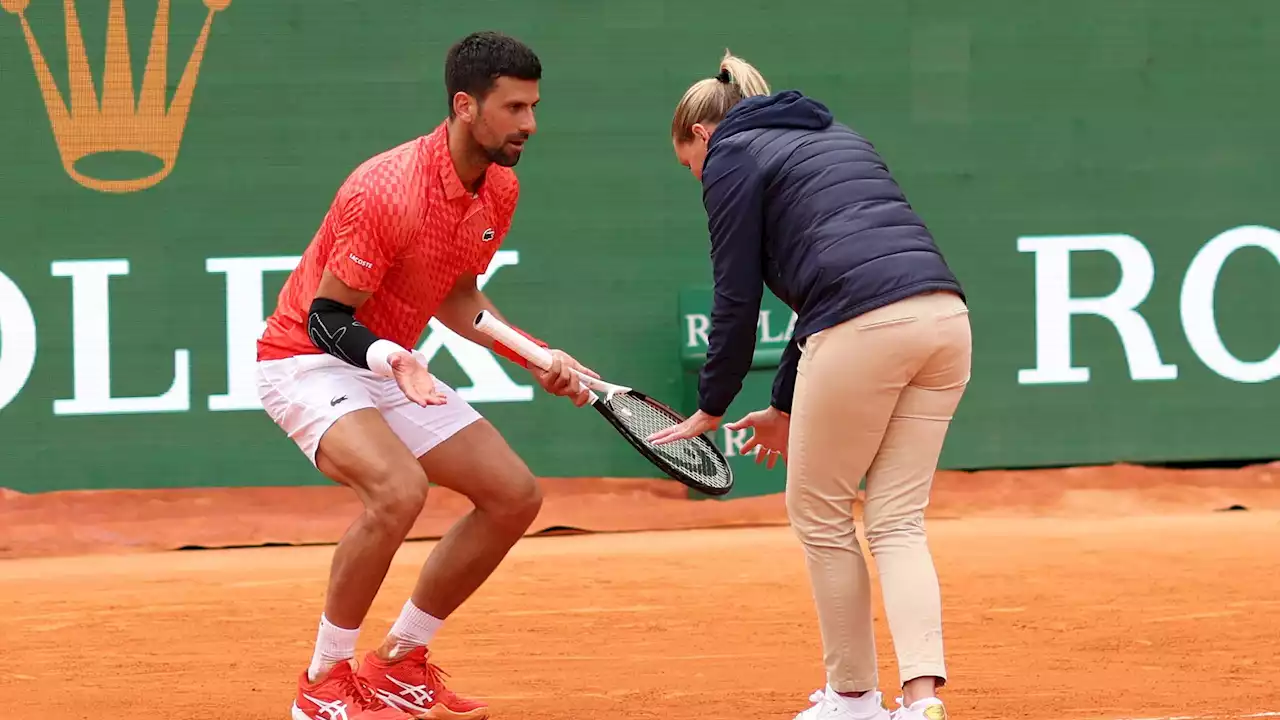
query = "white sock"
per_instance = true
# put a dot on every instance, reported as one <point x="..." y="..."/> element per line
<point x="333" y="645"/>
<point x="924" y="703"/>
<point x="867" y="705"/>
<point x="413" y="628"/>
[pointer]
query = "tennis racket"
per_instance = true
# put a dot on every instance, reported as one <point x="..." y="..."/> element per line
<point x="696" y="461"/>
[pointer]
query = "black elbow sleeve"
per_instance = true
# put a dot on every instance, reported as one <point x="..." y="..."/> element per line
<point x="334" y="329"/>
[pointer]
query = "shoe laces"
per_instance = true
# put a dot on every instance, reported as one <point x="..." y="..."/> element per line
<point x="435" y="676"/>
<point x="818" y="698"/>
<point x="362" y="693"/>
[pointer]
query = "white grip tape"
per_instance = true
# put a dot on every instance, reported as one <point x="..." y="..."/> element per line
<point x="535" y="353"/>
<point x="490" y="325"/>
<point x="377" y="354"/>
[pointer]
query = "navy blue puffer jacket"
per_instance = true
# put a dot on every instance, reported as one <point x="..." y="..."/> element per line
<point x="807" y="207"/>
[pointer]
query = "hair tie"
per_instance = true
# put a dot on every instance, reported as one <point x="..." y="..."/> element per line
<point x="724" y="76"/>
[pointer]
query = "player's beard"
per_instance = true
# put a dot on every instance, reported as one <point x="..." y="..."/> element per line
<point x="504" y="154"/>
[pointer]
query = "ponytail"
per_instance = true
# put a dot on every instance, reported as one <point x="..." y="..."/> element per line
<point x="710" y="99"/>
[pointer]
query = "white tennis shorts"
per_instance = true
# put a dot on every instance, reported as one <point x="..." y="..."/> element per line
<point x="305" y="395"/>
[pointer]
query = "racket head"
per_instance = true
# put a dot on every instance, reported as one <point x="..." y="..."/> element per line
<point x="696" y="461"/>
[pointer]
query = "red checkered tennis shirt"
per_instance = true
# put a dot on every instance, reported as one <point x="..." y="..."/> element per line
<point x="404" y="228"/>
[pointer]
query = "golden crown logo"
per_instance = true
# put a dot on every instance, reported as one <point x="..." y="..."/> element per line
<point x="117" y="124"/>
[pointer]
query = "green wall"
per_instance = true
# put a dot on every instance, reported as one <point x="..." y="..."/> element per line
<point x="1018" y="130"/>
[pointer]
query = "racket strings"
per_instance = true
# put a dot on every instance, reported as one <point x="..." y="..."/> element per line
<point x="692" y="455"/>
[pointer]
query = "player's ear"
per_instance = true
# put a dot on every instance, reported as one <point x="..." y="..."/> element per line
<point x="464" y="106"/>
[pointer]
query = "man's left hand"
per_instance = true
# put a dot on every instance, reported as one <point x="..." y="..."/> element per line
<point x="696" y="425"/>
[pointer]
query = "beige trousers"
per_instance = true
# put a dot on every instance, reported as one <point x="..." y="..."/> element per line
<point x="874" y="396"/>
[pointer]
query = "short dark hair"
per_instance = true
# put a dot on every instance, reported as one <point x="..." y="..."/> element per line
<point x="476" y="62"/>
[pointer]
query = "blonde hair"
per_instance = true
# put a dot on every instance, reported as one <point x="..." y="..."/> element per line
<point x="710" y="99"/>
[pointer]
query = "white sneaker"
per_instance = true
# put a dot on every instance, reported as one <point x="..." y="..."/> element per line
<point x="830" y="705"/>
<point x="927" y="709"/>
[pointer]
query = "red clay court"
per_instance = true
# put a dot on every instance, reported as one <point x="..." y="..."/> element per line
<point x="1074" y="595"/>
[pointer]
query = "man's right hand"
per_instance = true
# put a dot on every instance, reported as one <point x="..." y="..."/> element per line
<point x="414" y="380"/>
<point x="559" y="379"/>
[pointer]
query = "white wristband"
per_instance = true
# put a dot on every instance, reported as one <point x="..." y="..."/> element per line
<point x="377" y="355"/>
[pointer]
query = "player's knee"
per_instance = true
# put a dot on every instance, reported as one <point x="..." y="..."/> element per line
<point x="397" y="502"/>
<point x="519" y="504"/>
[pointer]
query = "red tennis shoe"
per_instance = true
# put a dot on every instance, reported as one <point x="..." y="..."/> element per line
<point x="340" y="695"/>
<point x="414" y="684"/>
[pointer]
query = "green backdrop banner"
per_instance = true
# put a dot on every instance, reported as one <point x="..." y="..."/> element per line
<point x="1101" y="175"/>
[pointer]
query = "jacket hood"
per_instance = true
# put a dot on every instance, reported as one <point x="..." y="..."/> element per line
<point x="787" y="109"/>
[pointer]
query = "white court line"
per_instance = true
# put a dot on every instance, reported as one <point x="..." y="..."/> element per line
<point x="1208" y="716"/>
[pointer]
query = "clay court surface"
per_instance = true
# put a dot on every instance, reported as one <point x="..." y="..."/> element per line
<point x="1118" y="593"/>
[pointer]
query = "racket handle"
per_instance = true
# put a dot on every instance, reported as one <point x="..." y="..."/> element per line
<point x="488" y="323"/>
<point x="538" y="356"/>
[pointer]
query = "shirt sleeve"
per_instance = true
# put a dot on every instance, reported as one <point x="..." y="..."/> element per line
<point x="784" y="383"/>
<point x="369" y="239"/>
<point x="733" y="194"/>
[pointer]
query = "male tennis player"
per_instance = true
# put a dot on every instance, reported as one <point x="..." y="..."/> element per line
<point x="404" y="240"/>
<point x="868" y="383"/>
